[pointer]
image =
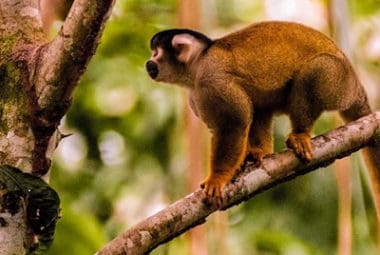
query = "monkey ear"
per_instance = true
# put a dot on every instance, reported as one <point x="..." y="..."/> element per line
<point x="187" y="46"/>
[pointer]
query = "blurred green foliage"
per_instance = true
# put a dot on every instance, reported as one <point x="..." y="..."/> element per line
<point x="364" y="7"/>
<point x="125" y="159"/>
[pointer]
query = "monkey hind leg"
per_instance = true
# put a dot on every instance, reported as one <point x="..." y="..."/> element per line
<point x="324" y="82"/>
<point x="303" y="111"/>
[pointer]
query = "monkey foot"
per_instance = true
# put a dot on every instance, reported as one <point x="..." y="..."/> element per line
<point x="255" y="155"/>
<point x="301" y="144"/>
<point x="213" y="189"/>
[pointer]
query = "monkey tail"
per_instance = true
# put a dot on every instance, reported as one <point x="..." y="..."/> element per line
<point x="370" y="153"/>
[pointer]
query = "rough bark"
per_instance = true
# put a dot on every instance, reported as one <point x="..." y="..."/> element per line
<point x="37" y="78"/>
<point x="276" y="168"/>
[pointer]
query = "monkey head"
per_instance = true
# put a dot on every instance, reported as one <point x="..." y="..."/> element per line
<point x="173" y="53"/>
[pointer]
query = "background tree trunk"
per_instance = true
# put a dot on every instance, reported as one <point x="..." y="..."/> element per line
<point x="338" y="20"/>
<point x="189" y="16"/>
<point x="37" y="79"/>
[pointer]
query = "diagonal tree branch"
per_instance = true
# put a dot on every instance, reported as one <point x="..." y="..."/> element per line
<point x="276" y="168"/>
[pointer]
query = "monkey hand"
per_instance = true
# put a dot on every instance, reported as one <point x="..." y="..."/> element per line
<point x="256" y="155"/>
<point x="301" y="144"/>
<point x="213" y="189"/>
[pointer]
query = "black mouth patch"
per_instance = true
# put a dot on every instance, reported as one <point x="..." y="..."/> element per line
<point x="152" y="69"/>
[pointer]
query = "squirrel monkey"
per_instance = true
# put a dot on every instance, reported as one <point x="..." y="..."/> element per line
<point x="239" y="81"/>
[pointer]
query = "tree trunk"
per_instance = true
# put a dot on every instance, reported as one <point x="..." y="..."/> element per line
<point x="338" y="21"/>
<point x="189" y="16"/>
<point x="37" y="79"/>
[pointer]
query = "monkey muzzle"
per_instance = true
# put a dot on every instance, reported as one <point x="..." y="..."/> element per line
<point x="152" y="69"/>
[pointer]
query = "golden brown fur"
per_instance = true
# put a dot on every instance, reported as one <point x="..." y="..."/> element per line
<point x="239" y="81"/>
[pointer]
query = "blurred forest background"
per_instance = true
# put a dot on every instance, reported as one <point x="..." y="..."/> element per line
<point x="128" y="155"/>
